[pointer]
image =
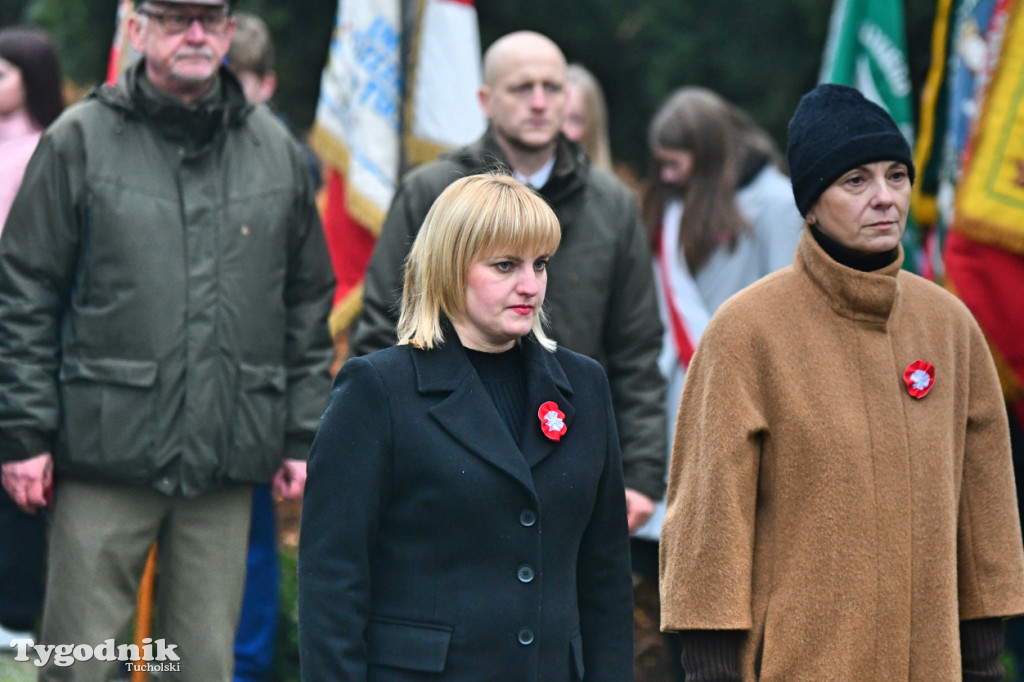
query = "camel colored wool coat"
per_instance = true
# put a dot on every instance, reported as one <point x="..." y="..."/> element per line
<point x="812" y="501"/>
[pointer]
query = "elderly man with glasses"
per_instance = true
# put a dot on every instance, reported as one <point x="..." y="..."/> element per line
<point x="164" y="292"/>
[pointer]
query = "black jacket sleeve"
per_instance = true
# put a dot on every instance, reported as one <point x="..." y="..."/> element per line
<point x="38" y="260"/>
<point x="632" y="341"/>
<point x="346" y="492"/>
<point x="309" y="290"/>
<point x="604" y="581"/>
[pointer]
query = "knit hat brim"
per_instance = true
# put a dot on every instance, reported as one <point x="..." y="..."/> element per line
<point x="853" y="152"/>
<point x="834" y="129"/>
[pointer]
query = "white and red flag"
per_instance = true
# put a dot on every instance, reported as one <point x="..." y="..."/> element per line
<point x="121" y="51"/>
<point x="380" y="113"/>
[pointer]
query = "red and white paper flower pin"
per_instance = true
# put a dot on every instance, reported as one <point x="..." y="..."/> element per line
<point x="552" y="420"/>
<point x="920" y="377"/>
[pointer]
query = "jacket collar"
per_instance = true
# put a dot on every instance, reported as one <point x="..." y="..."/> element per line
<point x="867" y="296"/>
<point x="469" y="415"/>
<point x="563" y="190"/>
<point x="193" y="125"/>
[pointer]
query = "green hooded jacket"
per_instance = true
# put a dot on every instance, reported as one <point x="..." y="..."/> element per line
<point x="164" y="292"/>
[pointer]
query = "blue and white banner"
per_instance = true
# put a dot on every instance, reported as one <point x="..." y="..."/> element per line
<point x="358" y="117"/>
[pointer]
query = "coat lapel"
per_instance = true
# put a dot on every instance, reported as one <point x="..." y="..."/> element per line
<point x="545" y="381"/>
<point x="467" y="413"/>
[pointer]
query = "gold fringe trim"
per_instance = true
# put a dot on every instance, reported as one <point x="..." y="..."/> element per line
<point x="419" y="150"/>
<point x="344" y="313"/>
<point x="329" y="148"/>
<point x="335" y="155"/>
<point x="926" y="210"/>
<point x="990" y="233"/>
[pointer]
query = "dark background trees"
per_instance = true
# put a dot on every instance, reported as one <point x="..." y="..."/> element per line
<point x="760" y="55"/>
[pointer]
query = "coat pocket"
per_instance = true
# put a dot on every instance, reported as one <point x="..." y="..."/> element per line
<point x="257" y="430"/>
<point x="408" y="645"/>
<point x="108" y="408"/>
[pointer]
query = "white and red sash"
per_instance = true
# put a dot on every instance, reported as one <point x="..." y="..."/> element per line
<point x="686" y="314"/>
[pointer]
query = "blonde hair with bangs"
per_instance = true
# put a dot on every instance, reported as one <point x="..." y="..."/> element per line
<point x="475" y="217"/>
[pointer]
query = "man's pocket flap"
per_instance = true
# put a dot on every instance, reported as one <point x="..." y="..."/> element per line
<point x="256" y="377"/>
<point x="141" y="373"/>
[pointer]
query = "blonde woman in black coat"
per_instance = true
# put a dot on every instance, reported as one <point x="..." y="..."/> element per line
<point x="464" y="516"/>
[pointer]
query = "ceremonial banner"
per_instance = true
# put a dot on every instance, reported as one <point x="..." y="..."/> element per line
<point x="443" y="110"/>
<point x="358" y="115"/>
<point x="990" y="196"/>
<point x="357" y="135"/>
<point x="867" y="49"/>
<point x="368" y="108"/>
<point x="990" y="281"/>
<point x="962" y="38"/>
<point x="974" y="49"/>
<point x="121" y="51"/>
<point x="984" y="253"/>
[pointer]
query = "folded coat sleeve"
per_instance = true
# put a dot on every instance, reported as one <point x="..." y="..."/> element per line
<point x="347" y="490"/>
<point x="990" y="561"/>
<point x="38" y="260"/>
<point x="309" y="291"/>
<point x="604" y="580"/>
<point x="707" y="539"/>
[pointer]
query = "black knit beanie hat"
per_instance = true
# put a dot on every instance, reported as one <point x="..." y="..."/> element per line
<point x="834" y="129"/>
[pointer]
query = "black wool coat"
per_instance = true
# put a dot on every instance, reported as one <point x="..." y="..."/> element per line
<point x="433" y="548"/>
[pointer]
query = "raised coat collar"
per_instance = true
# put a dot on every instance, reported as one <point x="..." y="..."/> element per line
<point x="225" y="106"/>
<point x="867" y="296"/>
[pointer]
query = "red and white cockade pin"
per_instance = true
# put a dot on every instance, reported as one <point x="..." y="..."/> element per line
<point x="552" y="420"/>
<point x="920" y="377"/>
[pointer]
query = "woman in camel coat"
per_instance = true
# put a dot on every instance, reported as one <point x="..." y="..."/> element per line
<point x="841" y="500"/>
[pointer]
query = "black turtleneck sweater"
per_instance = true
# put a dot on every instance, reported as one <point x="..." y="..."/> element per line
<point x="858" y="260"/>
<point x="504" y="377"/>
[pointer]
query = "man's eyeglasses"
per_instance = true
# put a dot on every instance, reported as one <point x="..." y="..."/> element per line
<point x="175" y="23"/>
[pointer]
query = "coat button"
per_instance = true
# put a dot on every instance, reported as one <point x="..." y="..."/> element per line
<point x="525" y="573"/>
<point x="526" y="636"/>
<point x="527" y="517"/>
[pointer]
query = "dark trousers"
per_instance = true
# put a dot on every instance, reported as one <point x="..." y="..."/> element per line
<point x="22" y="565"/>
<point x="1015" y="626"/>
<point x="657" y="655"/>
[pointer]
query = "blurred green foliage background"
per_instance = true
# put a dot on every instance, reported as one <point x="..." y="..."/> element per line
<point x="760" y="55"/>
